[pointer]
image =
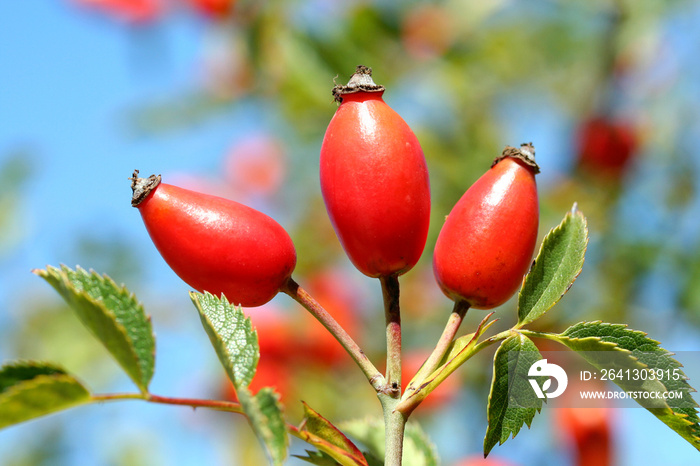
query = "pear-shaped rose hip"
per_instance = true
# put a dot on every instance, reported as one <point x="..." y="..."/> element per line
<point x="215" y="244"/>
<point x="486" y="245"/>
<point x="374" y="181"/>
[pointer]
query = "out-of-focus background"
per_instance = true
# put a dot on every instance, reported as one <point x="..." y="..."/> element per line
<point x="232" y="98"/>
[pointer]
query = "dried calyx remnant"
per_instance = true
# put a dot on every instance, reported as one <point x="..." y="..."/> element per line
<point x="526" y="153"/>
<point x="361" y="81"/>
<point x="142" y="187"/>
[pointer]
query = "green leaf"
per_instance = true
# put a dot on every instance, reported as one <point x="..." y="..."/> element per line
<point x="264" y="414"/>
<point x="231" y="334"/>
<point x="557" y="265"/>
<point x="112" y="314"/>
<point x="422" y="450"/>
<point x="318" y="458"/>
<point x="318" y="431"/>
<point x="512" y="402"/>
<point x="236" y="344"/>
<point x="634" y="349"/>
<point x="32" y="389"/>
<point x="418" y="450"/>
<point x="457" y="346"/>
<point x="369" y="432"/>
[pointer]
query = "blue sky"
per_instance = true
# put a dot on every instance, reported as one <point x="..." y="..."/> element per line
<point x="69" y="82"/>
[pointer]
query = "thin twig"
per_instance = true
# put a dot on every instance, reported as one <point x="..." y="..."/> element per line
<point x="453" y="323"/>
<point x="218" y="405"/>
<point x="394" y="421"/>
<point x="300" y="295"/>
<point x="392" y="313"/>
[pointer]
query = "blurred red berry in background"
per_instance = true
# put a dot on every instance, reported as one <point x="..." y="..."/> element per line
<point x="478" y="460"/>
<point x="590" y="431"/>
<point x="256" y="165"/>
<point x="131" y="11"/>
<point x="427" y="31"/>
<point x="216" y="9"/>
<point x="253" y="168"/>
<point x="605" y="147"/>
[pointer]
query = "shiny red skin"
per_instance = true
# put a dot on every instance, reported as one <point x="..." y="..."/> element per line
<point x="486" y="245"/>
<point x="218" y="245"/>
<point x="375" y="184"/>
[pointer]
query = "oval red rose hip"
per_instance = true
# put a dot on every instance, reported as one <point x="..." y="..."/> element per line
<point x="486" y="245"/>
<point x="374" y="181"/>
<point x="215" y="244"/>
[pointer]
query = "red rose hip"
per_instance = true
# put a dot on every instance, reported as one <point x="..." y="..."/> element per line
<point x="215" y="244"/>
<point x="374" y="181"/>
<point x="606" y="147"/>
<point x="486" y="245"/>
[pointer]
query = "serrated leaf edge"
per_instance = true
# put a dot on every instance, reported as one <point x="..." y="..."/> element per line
<point x="141" y="381"/>
<point x="33" y="363"/>
<point x="251" y="407"/>
<point x="511" y="435"/>
<point x="609" y="324"/>
<point x="123" y="291"/>
<point x="195" y="297"/>
<point x="41" y="380"/>
<point x="692" y="439"/>
<point x="569" y="215"/>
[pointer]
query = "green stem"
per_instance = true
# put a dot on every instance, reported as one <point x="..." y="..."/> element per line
<point x="491" y="340"/>
<point x="300" y="295"/>
<point x="394" y="421"/>
<point x="394" y="427"/>
<point x="453" y="323"/>
<point x="548" y="336"/>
